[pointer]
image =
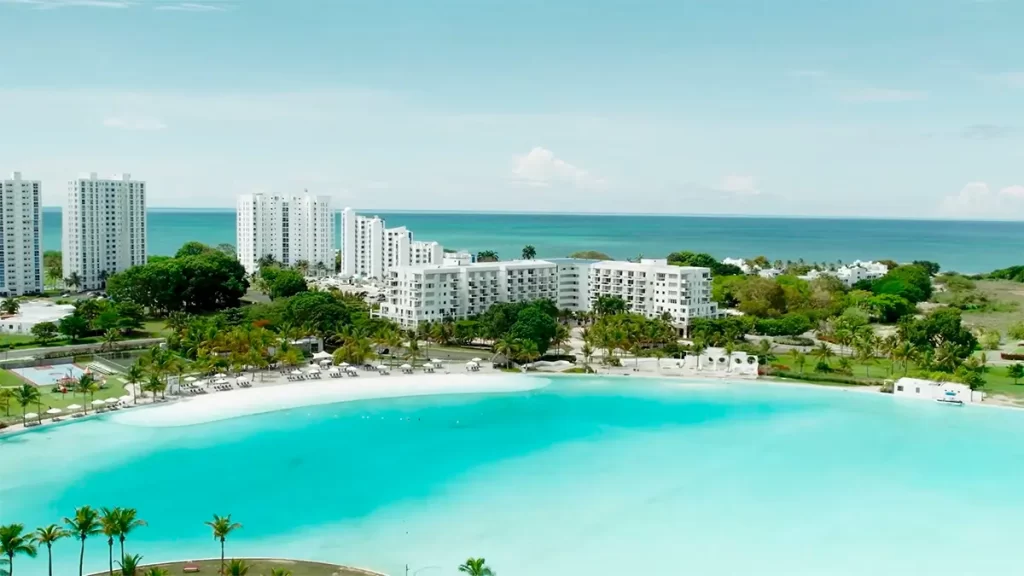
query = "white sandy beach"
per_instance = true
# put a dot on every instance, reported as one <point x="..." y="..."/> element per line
<point x="276" y="394"/>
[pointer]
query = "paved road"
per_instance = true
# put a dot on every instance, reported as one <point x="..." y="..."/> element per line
<point x="71" y="349"/>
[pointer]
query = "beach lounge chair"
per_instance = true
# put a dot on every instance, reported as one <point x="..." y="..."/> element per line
<point x="190" y="568"/>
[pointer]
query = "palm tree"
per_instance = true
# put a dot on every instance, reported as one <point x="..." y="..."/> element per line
<point x="156" y="571"/>
<point x="108" y="525"/>
<point x="73" y="280"/>
<point x="5" y="399"/>
<point x="280" y="572"/>
<point x="10" y="305"/>
<point x="12" y="543"/>
<point x="529" y="252"/>
<point x="528" y="350"/>
<point x="134" y="376"/>
<point x="236" y="568"/>
<point x="85" y="523"/>
<point x="46" y="536"/>
<point x="487" y="256"/>
<point x="1015" y="371"/>
<point x="129" y="564"/>
<point x="222" y="526"/>
<point x="698" y="348"/>
<point x="824" y="352"/>
<point x="24" y="396"/>
<point x="507" y="347"/>
<point x="127" y="520"/>
<point x="476" y="567"/>
<point x="799" y="359"/>
<point x="561" y="337"/>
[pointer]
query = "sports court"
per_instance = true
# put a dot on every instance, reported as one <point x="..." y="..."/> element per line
<point x="48" y="375"/>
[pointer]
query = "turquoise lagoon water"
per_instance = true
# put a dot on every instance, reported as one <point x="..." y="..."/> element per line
<point x="604" y="477"/>
<point x="970" y="247"/>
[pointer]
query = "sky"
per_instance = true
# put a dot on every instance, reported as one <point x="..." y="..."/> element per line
<point x="866" y="108"/>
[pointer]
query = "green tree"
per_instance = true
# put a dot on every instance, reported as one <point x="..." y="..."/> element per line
<point x="476" y="567"/>
<point x="47" y="536"/>
<point x="74" y="280"/>
<point x="74" y="327"/>
<point x="127" y="521"/>
<point x="487" y="256"/>
<point x="13" y="542"/>
<point x="83" y="524"/>
<point x="6" y="395"/>
<point x="109" y="528"/>
<point x="134" y="376"/>
<point x="280" y="572"/>
<point x="529" y="252"/>
<point x="287" y="283"/>
<point x="129" y="564"/>
<point x="10" y="305"/>
<point x="45" y="332"/>
<point x="823" y="352"/>
<point x="25" y="395"/>
<point x="236" y="568"/>
<point x="1015" y="371"/>
<point x="222" y="526"/>
<point x="111" y="337"/>
<point x="609" y="305"/>
<point x="156" y="571"/>
<point x="799" y="359"/>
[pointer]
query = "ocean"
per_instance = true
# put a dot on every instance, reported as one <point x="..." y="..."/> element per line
<point x="969" y="247"/>
<point x="587" y="475"/>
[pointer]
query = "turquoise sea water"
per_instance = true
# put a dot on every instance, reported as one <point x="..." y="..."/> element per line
<point x="964" y="246"/>
<point x="596" y="476"/>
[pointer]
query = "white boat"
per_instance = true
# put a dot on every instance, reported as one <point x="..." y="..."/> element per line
<point x="950" y="398"/>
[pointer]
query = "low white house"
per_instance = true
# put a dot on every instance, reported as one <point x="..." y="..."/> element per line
<point x="931" y="390"/>
<point x="852" y="273"/>
<point x="717" y="360"/>
<point x="33" y="312"/>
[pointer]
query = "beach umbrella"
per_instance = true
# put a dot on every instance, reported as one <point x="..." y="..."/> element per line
<point x="125" y="398"/>
<point x="220" y="381"/>
<point x="436" y="361"/>
<point x="296" y="372"/>
<point x="322" y="355"/>
<point x="241" y="379"/>
<point x="98" y="403"/>
<point x="406" y="366"/>
<point x="344" y="365"/>
<point x="31" y="416"/>
<point x="477" y="360"/>
<point x="191" y="379"/>
<point x="325" y="362"/>
<point x="54" y="411"/>
<point x="428" y="365"/>
<point x="74" y="407"/>
<point x="471" y="363"/>
<point x="220" y="375"/>
<point x="112" y="400"/>
<point x="313" y="370"/>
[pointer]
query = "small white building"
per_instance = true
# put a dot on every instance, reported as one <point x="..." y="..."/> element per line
<point x="932" y="390"/>
<point x="34" y="312"/>
<point x="852" y="273"/>
<point x="716" y="360"/>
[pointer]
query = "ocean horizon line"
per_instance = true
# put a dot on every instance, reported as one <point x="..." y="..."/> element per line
<point x="225" y="210"/>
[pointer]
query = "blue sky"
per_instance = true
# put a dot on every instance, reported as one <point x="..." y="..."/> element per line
<point x="894" y="108"/>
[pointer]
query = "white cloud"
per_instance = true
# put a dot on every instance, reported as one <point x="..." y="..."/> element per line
<point x="138" y="123"/>
<point x="977" y="200"/>
<point x="737" y="184"/>
<point x="884" y="95"/>
<point x="540" y="168"/>
<point x="192" y="7"/>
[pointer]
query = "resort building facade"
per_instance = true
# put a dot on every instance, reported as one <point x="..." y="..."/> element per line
<point x="104" y="226"/>
<point x="369" y="249"/>
<point x="289" y="229"/>
<point x="431" y="293"/>
<point x="656" y="289"/>
<point x="850" y="274"/>
<point x="455" y="290"/>
<point x="20" y="237"/>
<point x="21" y="252"/>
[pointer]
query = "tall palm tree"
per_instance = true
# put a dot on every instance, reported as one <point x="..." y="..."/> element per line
<point x="13" y="542"/>
<point x="73" y="280"/>
<point x="222" y="526"/>
<point x="6" y="394"/>
<point x="84" y="523"/>
<point x="799" y="359"/>
<point x="24" y="396"/>
<point x="109" y="527"/>
<point x="824" y="352"/>
<point x="529" y="252"/>
<point x="476" y="567"/>
<point x="134" y="376"/>
<point x="127" y="521"/>
<point x="46" y="536"/>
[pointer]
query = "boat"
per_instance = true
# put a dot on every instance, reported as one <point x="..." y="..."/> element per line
<point x="950" y="398"/>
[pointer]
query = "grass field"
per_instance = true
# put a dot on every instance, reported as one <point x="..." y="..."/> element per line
<point x="1009" y="307"/>
<point x="50" y="399"/>
<point x="263" y="567"/>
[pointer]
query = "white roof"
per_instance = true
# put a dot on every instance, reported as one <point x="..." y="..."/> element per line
<point x="36" y="311"/>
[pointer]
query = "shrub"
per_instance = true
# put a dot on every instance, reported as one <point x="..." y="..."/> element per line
<point x="1016" y="331"/>
<point x="794" y="341"/>
<point x="1011" y="356"/>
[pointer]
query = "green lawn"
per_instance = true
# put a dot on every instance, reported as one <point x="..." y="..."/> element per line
<point x="50" y="399"/>
<point x="15" y="341"/>
<point x="1009" y="294"/>
<point x="155" y="329"/>
<point x="263" y="567"/>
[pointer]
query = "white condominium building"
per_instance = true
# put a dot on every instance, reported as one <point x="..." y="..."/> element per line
<point x="573" y="283"/>
<point x="655" y="288"/>
<point x="104" y="227"/>
<point x="289" y="229"/>
<point x="432" y="293"/>
<point x="370" y="249"/>
<point x="21" y="252"/>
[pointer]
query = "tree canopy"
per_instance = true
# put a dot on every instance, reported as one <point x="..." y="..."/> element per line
<point x="685" y="258"/>
<point x="198" y="279"/>
<point x="590" y="255"/>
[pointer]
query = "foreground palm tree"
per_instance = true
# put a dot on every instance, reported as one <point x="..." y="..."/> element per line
<point x="156" y="571"/>
<point x="280" y="572"/>
<point x="222" y="526"/>
<point x="476" y="567"/>
<point x="85" y="523"/>
<point x="127" y="520"/>
<point x="24" y="396"/>
<point x="13" y="542"/>
<point x="108" y="525"/>
<point x="129" y="564"/>
<point x="236" y="568"/>
<point x="46" y="536"/>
